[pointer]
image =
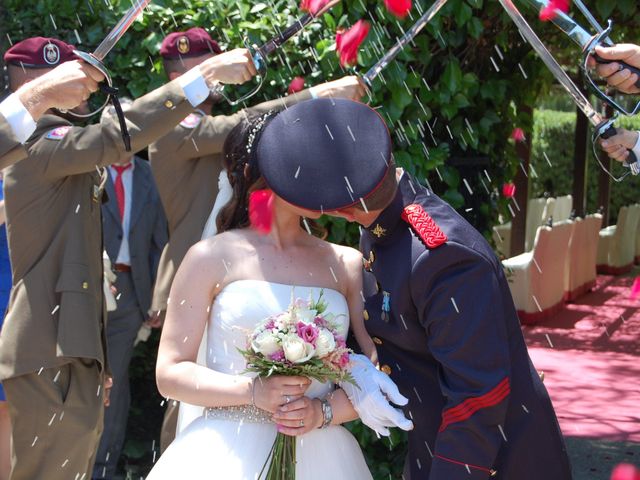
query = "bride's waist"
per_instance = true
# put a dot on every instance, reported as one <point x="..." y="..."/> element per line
<point x="238" y="413"/>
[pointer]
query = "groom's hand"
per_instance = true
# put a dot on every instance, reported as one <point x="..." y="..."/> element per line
<point x="370" y="398"/>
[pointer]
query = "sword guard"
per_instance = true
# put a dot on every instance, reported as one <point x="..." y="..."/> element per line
<point x="590" y="51"/>
<point x="260" y="62"/>
<point x="98" y="65"/>
<point x="605" y="130"/>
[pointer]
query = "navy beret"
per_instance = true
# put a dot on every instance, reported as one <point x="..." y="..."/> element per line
<point x="324" y="154"/>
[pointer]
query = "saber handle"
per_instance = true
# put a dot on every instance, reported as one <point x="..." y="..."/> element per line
<point x="632" y="160"/>
<point x="624" y="65"/>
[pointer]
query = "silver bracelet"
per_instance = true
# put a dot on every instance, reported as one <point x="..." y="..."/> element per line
<point x="327" y="413"/>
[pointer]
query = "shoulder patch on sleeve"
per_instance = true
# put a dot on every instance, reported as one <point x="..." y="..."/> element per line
<point x="424" y="226"/>
<point x="58" y="133"/>
<point x="192" y="120"/>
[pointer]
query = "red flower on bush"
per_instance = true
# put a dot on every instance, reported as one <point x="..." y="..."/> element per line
<point x="296" y="85"/>
<point x="508" y="190"/>
<point x="400" y="8"/>
<point x="518" y="135"/>
<point x="312" y="6"/>
<point x="549" y="12"/>
<point x="348" y="42"/>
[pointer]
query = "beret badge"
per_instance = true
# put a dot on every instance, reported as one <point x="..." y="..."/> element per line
<point x="51" y="54"/>
<point x="183" y="45"/>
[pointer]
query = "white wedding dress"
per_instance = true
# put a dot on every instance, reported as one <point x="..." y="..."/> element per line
<point x="224" y="444"/>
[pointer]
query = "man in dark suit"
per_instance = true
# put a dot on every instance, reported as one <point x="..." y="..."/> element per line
<point x="134" y="232"/>
<point x="437" y="300"/>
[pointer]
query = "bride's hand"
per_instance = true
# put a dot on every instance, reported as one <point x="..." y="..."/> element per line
<point x="272" y="392"/>
<point x="299" y="417"/>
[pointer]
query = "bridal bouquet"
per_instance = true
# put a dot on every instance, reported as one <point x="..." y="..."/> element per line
<point x="301" y="341"/>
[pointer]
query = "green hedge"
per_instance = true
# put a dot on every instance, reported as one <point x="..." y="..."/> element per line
<point x="553" y="134"/>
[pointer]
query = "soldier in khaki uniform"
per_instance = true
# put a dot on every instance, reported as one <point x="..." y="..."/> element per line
<point x="186" y="164"/>
<point x="52" y="347"/>
<point x="66" y="86"/>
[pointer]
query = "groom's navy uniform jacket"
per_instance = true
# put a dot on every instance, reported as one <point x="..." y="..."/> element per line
<point x="441" y="314"/>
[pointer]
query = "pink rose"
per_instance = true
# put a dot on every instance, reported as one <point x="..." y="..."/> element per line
<point x="508" y="190"/>
<point x="344" y="360"/>
<point x="549" y="12"/>
<point x="307" y="332"/>
<point x="277" y="356"/>
<point x="296" y="85"/>
<point x="400" y="8"/>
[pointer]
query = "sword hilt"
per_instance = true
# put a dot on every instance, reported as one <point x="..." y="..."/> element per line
<point x="623" y="65"/>
<point x="632" y="160"/>
<point x="260" y="61"/>
<point x="98" y="65"/>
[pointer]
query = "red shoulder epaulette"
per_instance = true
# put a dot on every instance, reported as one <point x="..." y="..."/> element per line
<point x="424" y="226"/>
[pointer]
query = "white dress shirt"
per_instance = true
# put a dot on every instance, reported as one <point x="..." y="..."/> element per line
<point x="194" y="86"/>
<point x="18" y="117"/>
<point x="124" y="256"/>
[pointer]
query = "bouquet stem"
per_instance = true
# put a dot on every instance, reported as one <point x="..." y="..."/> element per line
<point x="281" y="459"/>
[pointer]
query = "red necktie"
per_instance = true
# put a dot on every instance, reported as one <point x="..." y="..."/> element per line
<point x="119" y="187"/>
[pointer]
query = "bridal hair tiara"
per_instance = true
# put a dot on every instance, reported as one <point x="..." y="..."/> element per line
<point x="255" y="131"/>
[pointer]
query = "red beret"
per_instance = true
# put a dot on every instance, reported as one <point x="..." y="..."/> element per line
<point x="40" y="52"/>
<point x="195" y="41"/>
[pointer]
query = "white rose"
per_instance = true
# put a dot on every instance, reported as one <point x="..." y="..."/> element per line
<point x="325" y="343"/>
<point x="265" y="343"/>
<point x="305" y="315"/>
<point x="297" y="350"/>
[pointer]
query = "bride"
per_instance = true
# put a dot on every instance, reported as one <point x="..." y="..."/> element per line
<point x="226" y="285"/>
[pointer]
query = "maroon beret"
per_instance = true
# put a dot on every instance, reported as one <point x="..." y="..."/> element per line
<point x="195" y="41"/>
<point x="40" y="52"/>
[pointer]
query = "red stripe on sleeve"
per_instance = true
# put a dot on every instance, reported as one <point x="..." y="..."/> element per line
<point x="471" y="405"/>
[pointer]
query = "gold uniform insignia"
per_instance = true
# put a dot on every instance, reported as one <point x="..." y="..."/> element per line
<point x="183" y="45"/>
<point x="379" y="231"/>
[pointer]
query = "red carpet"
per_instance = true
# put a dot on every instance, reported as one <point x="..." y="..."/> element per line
<point x="590" y="353"/>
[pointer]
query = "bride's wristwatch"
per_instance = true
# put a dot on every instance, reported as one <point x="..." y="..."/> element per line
<point x="327" y="413"/>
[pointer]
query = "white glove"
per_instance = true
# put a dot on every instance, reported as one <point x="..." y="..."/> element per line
<point x="372" y="395"/>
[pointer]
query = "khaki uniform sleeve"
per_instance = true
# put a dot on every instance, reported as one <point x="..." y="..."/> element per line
<point x="11" y="150"/>
<point x="82" y="149"/>
<point x="208" y="137"/>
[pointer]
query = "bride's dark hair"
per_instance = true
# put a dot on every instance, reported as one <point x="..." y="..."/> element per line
<point x="240" y="162"/>
<point x="239" y="159"/>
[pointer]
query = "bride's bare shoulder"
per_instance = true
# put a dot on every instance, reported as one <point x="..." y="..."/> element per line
<point x="224" y="245"/>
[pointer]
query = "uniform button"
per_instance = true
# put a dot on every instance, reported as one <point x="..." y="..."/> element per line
<point x="168" y="104"/>
<point x="541" y="375"/>
<point x="493" y="473"/>
<point x="386" y="369"/>
<point x="85" y="285"/>
<point x="377" y="341"/>
<point x="365" y="314"/>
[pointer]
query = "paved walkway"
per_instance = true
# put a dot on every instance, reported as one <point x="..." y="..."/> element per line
<point x="590" y="353"/>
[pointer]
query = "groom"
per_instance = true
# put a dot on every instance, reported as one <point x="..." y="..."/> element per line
<point x="437" y="299"/>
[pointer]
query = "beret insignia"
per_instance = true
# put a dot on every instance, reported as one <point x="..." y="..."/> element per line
<point x="424" y="226"/>
<point x="191" y="121"/>
<point x="51" y="54"/>
<point x="183" y="45"/>
<point x="58" y="133"/>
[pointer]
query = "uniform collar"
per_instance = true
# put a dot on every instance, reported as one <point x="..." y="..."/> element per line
<point x="389" y="220"/>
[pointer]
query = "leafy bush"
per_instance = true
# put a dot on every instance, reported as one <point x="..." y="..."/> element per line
<point x="451" y="100"/>
<point x="553" y="134"/>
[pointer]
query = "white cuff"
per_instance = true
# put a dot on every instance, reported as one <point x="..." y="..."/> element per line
<point x="313" y="93"/>
<point x="194" y="86"/>
<point x="18" y="117"/>
<point x="636" y="149"/>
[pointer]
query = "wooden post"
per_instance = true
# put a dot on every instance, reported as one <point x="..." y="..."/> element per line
<point x="604" y="180"/>
<point x="519" y="222"/>
<point x="581" y="138"/>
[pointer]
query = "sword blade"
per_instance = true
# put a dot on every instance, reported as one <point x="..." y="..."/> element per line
<point x="590" y="18"/>
<point x="565" y="23"/>
<point x="276" y="42"/>
<point x="392" y="53"/>
<point x="527" y="32"/>
<point x="119" y="30"/>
